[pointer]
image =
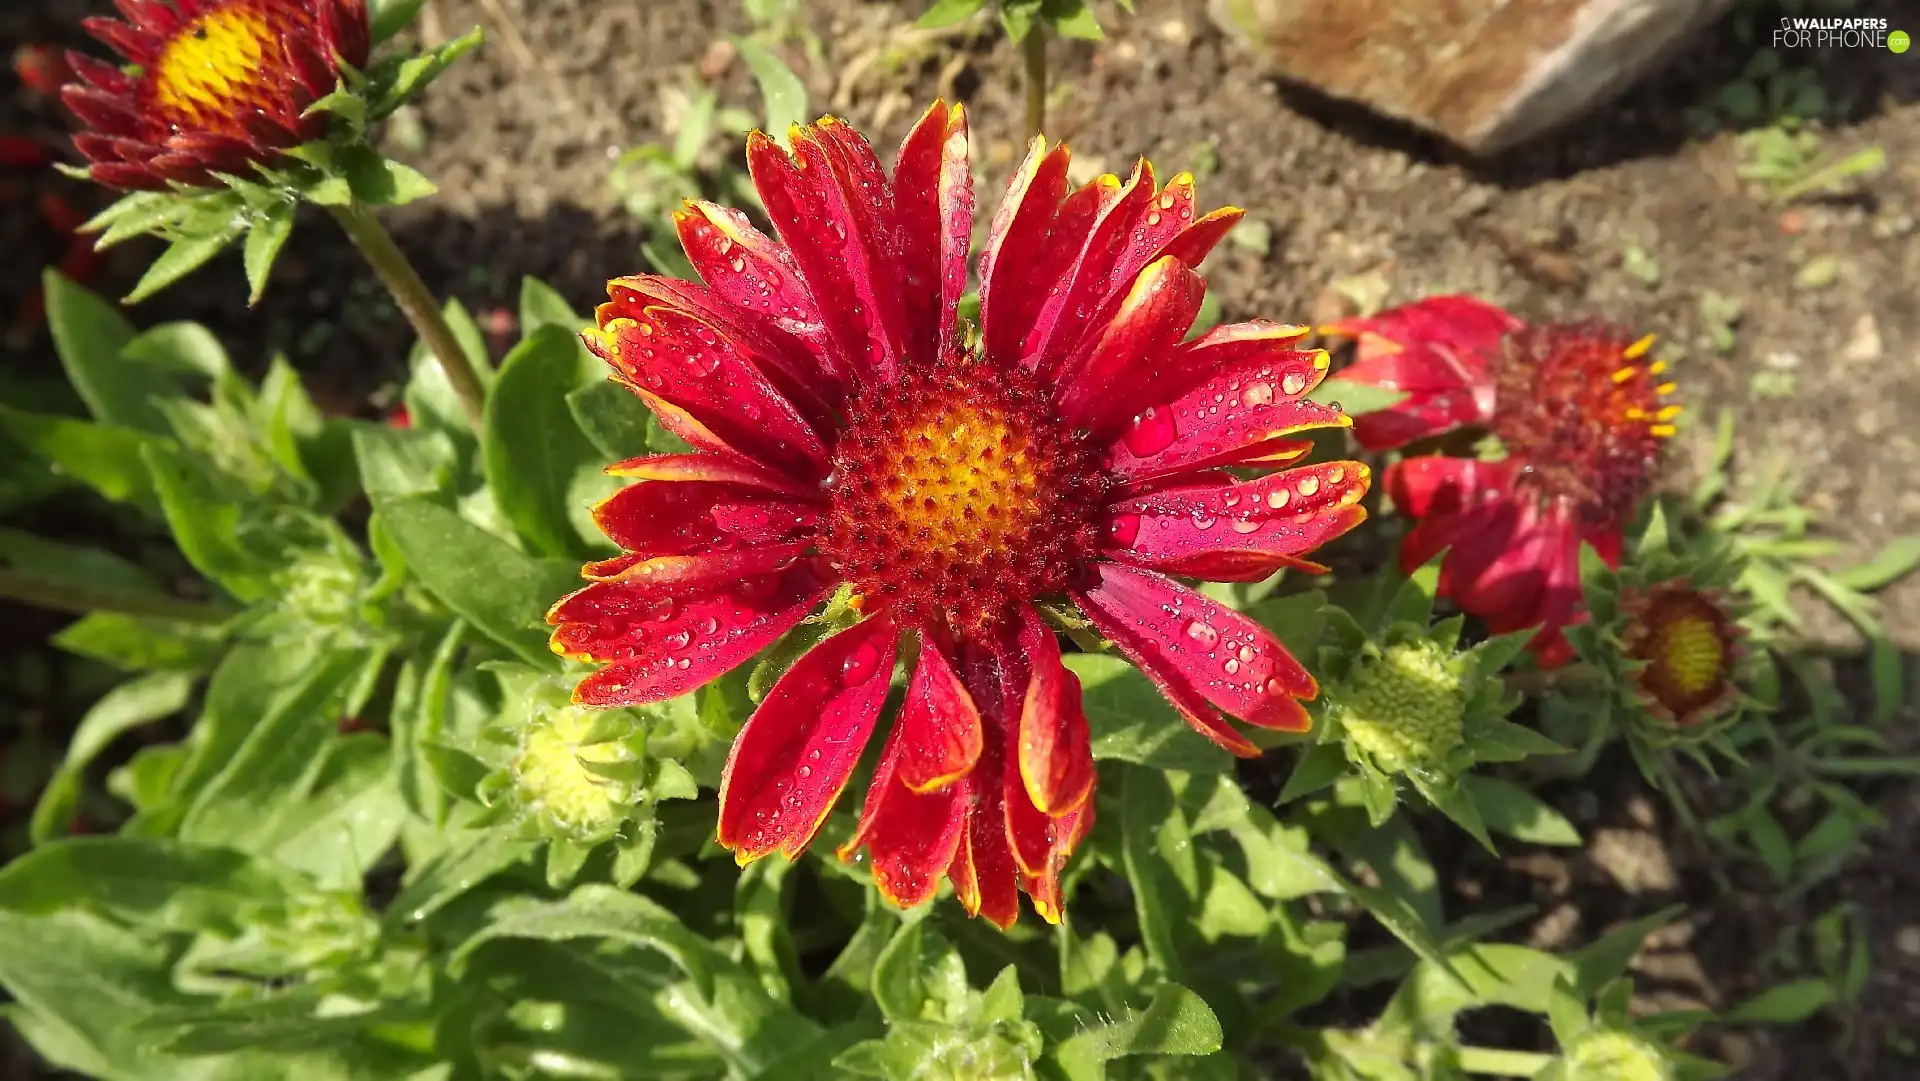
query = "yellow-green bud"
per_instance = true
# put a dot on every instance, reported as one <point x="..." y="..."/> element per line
<point x="1617" y="1056"/>
<point x="1405" y="707"/>
<point x="320" y="588"/>
<point x="551" y="779"/>
<point x="972" y="1058"/>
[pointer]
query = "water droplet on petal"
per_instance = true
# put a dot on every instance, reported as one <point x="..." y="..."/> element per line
<point x="1202" y="633"/>
<point x="1123" y="529"/>
<point x="1259" y="393"/>
<point x="1152" y="432"/>
<point x="1293" y="383"/>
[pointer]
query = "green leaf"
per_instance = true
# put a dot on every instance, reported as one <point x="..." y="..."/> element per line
<point x="542" y="305"/>
<point x="1157" y="855"/>
<point x="264" y="241"/>
<point x="1890" y="564"/>
<point x="430" y="397"/>
<point x="1510" y="809"/>
<point x="399" y="462"/>
<point x="614" y="419"/>
<point x="1356" y="398"/>
<point x="347" y="814"/>
<point x="781" y="91"/>
<point x="246" y="804"/>
<point x="1131" y="721"/>
<point x="1784" y="1004"/>
<point x="142" y="644"/>
<point x="90" y="334"/>
<point x="377" y="180"/>
<point x="1496" y="739"/>
<point x="502" y="592"/>
<point x="1605" y="960"/>
<point x="945" y="13"/>
<point x="1174" y="1022"/>
<point x="395" y="83"/>
<point x="1319" y="766"/>
<point x="140" y="701"/>
<point x="69" y="565"/>
<point x="470" y="858"/>
<point x="389" y="17"/>
<point x="1072" y="19"/>
<point x="182" y="257"/>
<point x="533" y="448"/>
<point x="162" y="884"/>
<point x="717" y="1000"/>
<point x="104" y="457"/>
<point x="208" y="525"/>
<point x="918" y="975"/>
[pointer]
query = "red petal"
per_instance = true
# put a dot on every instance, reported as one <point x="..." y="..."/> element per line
<point x="796" y="752"/>
<point x="675" y="358"/>
<point x="940" y="725"/>
<point x="744" y="267"/>
<point x="1151" y="321"/>
<point x="1233" y="531"/>
<point x="1230" y="348"/>
<point x="1010" y="290"/>
<point x="1044" y="888"/>
<point x="137" y="45"/>
<point x="911" y="836"/>
<point x="101" y="74"/>
<point x="1437" y="484"/>
<point x="108" y="114"/>
<point x="1243" y="413"/>
<point x="841" y="239"/>
<point x="665" y="642"/>
<point x="933" y="202"/>
<point x="1209" y="649"/>
<point x="1092" y="273"/>
<point x="714" y="468"/>
<point x="704" y="570"/>
<point x="1053" y="746"/>
<point x="984" y="875"/>
<point x="1434" y="350"/>
<point x="796" y="364"/>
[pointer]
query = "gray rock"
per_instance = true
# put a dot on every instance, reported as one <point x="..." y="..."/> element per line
<point x="1485" y="73"/>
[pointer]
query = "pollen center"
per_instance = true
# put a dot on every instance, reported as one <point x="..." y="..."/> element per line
<point x="955" y="495"/>
<point x="1585" y="410"/>
<point x="1688" y="648"/>
<point x="212" y="66"/>
<point x="1691" y="653"/>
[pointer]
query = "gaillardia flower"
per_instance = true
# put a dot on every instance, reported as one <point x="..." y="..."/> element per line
<point x="1689" y="648"/>
<point x="850" y="432"/>
<point x="215" y="86"/>
<point x="1580" y="414"/>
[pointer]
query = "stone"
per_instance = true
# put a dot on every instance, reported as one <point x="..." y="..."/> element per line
<point x="1487" y="74"/>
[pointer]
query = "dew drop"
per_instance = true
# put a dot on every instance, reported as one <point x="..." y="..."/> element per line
<point x="1202" y="633"/>
<point x="1124" y="528"/>
<point x="1247" y="654"/>
<point x="1258" y="393"/>
<point x="1278" y="498"/>
<point x="1309" y="485"/>
<point x="1152" y="432"/>
<point x="1232" y="666"/>
<point x="859" y="665"/>
<point x="1246" y="525"/>
<point x="1293" y="383"/>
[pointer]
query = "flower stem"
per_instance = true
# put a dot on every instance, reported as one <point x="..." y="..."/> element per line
<point x="1544" y="680"/>
<point x="84" y="600"/>
<point x="1035" y="49"/>
<point x="416" y="303"/>
<point x="1501" y="1062"/>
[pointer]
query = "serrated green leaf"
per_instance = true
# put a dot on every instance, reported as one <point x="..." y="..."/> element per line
<point x="377" y="180"/>
<point x="1174" y="1022"/>
<point x="185" y="255"/>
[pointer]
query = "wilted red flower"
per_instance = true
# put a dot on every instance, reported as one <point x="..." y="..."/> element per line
<point x="1581" y="414"/>
<point x="848" y="428"/>
<point x="1689" y="646"/>
<point x="220" y="85"/>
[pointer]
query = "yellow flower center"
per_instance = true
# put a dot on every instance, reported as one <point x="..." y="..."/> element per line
<point x="1406" y="708"/>
<point x="552" y="779"/>
<point x="1687" y="644"/>
<point x="955" y="493"/>
<point x="212" y="63"/>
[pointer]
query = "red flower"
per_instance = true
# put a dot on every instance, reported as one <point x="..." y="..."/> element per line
<point x="41" y="68"/>
<point x="1580" y="413"/>
<point x="848" y="428"/>
<point x="220" y="85"/>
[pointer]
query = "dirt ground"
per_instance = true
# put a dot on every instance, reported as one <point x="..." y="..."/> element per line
<point x="1823" y="373"/>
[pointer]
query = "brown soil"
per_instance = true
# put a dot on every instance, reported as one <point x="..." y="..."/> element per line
<point x="522" y="135"/>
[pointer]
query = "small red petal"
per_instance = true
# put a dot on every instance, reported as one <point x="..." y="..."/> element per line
<point x="912" y="836"/>
<point x="137" y="45"/>
<point x="746" y="268"/>
<point x="101" y="74"/>
<point x="794" y="756"/>
<point x="665" y="642"/>
<point x="1233" y="347"/>
<point x="1215" y="652"/>
<point x="713" y="468"/>
<point x="1053" y="745"/>
<point x="703" y="570"/>
<point x="933" y="203"/>
<point x="674" y="358"/>
<point x="1093" y="273"/>
<point x="1244" y="413"/>
<point x="940" y="725"/>
<point x="1228" y="530"/>
<point x="1436" y="351"/>
<point x="1155" y="315"/>
<point x="1010" y="295"/>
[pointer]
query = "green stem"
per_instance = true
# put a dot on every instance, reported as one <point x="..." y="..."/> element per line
<point x="1035" y="49"/>
<point x="84" y="600"/>
<point x="1502" y="1063"/>
<point x="1566" y="678"/>
<point x="417" y="304"/>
